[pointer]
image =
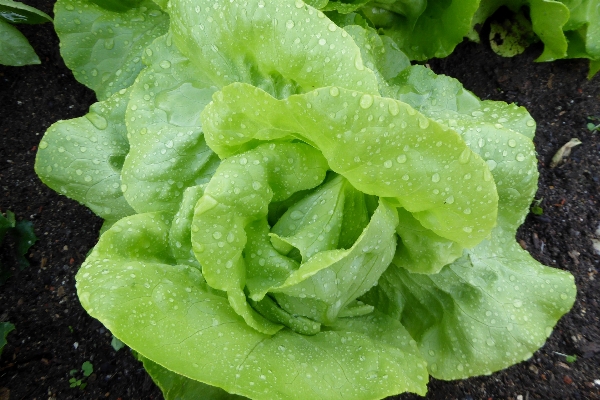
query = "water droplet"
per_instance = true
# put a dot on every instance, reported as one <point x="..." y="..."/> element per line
<point x="94" y="72"/>
<point x="468" y="229"/>
<point x="563" y="296"/>
<point x="243" y="161"/>
<point x="388" y="164"/>
<point x="520" y="157"/>
<point x="460" y="367"/>
<point x="394" y="108"/>
<point x="401" y="158"/>
<point x="435" y="178"/>
<point x="261" y="4"/>
<point x="423" y="122"/>
<point x="530" y="123"/>
<point x="512" y="142"/>
<point x="289" y="24"/>
<point x="359" y="64"/>
<point x="464" y="156"/>
<point x="366" y="101"/>
<point x="165" y="64"/>
<point x="467" y="211"/>
<point x="405" y="177"/>
<point x="43" y="145"/>
<point x="296" y="215"/>
<point x="491" y="164"/>
<point x="217" y="235"/>
<point x="322" y="41"/>
<point x="517" y="303"/>
<point x="450" y="200"/>
<point x="490" y="342"/>
<point x="334" y="91"/>
<point x="256" y="185"/>
<point x="109" y="43"/>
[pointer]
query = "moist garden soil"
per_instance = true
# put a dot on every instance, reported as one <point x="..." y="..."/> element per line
<point x="55" y="336"/>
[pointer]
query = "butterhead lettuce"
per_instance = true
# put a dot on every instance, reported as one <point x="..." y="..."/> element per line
<point x="291" y="209"/>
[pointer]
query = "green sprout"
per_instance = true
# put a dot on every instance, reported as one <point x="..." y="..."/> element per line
<point x="87" y="368"/>
<point x="535" y="207"/>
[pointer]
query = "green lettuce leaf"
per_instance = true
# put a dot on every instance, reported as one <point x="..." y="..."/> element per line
<point x="131" y="281"/>
<point x="490" y="309"/>
<point x="82" y="158"/>
<point x="168" y="150"/>
<point x="362" y="143"/>
<point x="18" y="13"/>
<point x="178" y="387"/>
<point x="239" y="193"/>
<point x="104" y="48"/>
<point x="15" y="49"/>
<point x="277" y="51"/>
<point x="434" y="32"/>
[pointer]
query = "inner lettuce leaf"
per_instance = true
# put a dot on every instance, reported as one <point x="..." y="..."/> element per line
<point x="382" y="146"/>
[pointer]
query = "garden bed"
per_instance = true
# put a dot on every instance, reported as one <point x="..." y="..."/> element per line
<point x="54" y="335"/>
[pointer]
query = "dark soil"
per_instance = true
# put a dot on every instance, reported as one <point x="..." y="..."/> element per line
<point x="54" y="335"/>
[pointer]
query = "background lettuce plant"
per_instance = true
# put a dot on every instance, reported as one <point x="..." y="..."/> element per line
<point x="427" y="29"/>
<point x="15" y="49"/>
<point x="290" y="208"/>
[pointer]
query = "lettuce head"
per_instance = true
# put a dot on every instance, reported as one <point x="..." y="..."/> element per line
<point x="291" y="209"/>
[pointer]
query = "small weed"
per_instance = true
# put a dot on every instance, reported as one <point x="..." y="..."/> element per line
<point x="535" y="207"/>
<point x="87" y="368"/>
<point x="117" y="344"/>
<point x="593" y="123"/>
<point x="568" y="358"/>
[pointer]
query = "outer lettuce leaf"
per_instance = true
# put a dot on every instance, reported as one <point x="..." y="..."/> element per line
<point x="382" y="146"/>
<point x="380" y="53"/>
<point x="82" y="157"/>
<point x="130" y="283"/>
<point x="500" y="133"/>
<point x="104" y="48"/>
<point x="548" y="19"/>
<point x="18" y="13"/>
<point x="433" y="33"/>
<point x="488" y="310"/>
<point x="178" y="387"/>
<point x="168" y="151"/>
<point x="15" y="49"/>
<point x="341" y="6"/>
<point x="278" y="49"/>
